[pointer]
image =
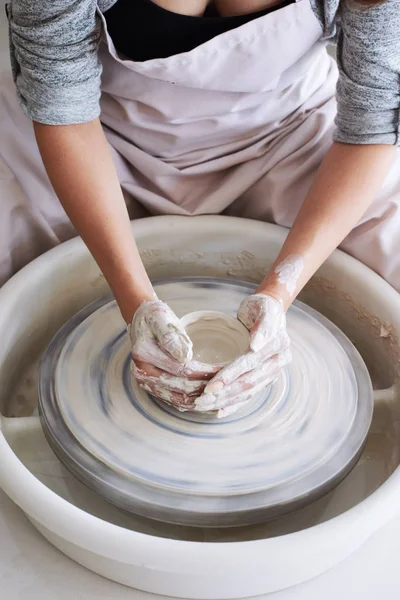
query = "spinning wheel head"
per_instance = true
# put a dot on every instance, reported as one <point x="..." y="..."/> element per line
<point x="290" y="445"/>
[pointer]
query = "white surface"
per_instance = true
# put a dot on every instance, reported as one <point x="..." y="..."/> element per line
<point x="66" y="279"/>
<point x="217" y="338"/>
<point x="31" y="568"/>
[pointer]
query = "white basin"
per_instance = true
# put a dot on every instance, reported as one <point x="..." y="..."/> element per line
<point x="179" y="561"/>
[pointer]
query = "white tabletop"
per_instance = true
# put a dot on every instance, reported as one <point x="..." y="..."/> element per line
<point x="31" y="568"/>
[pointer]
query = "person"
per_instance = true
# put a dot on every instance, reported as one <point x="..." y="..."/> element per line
<point x="191" y="107"/>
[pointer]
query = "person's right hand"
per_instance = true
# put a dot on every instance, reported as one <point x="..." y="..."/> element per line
<point x="162" y="356"/>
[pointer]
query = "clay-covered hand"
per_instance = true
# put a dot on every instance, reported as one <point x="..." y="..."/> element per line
<point x="162" y="356"/>
<point x="249" y="374"/>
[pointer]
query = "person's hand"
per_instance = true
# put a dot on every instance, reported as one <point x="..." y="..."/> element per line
<point x="162" y="356"/>
<point x="249" y="374"/>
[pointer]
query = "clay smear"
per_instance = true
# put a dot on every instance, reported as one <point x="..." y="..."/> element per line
<point x="289" y="271"/>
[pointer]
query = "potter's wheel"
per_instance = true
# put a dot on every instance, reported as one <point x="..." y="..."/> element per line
<point x="289" y="446"/>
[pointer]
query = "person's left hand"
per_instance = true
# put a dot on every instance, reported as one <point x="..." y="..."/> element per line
<point x="249" y="374"/>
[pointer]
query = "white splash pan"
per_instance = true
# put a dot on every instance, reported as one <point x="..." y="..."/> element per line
<point x="163" y="559"/>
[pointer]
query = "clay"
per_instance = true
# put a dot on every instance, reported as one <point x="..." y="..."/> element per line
<point x="217" y="337"/>
<point x="153" y="321"/>
<point x="289" y="271"/>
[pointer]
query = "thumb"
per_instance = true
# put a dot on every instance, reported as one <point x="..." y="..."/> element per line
<point x="169" y="332"/>
<point x="268" y="319"/>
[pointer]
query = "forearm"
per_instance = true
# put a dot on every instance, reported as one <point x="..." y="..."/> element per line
<point x="347" y="182"/>
<point x="80" y="167"/>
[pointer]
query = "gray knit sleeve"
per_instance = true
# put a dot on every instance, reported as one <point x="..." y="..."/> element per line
<point x="54" y="59"/>
<point x="368" y="92"/>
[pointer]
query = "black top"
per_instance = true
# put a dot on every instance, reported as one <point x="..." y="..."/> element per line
<point x="141" y="30"/>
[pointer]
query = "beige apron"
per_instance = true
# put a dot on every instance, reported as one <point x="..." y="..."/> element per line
<point x="238" y="126"/>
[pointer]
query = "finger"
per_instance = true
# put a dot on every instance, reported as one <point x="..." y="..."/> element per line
<point x="267" y="372"/>
<point x="256" y="379"/>
<point x="170" y="334"/>
<point x="248" y="362"/>
<point x="171" y="397"/>
<point x="169" y="388"/>
<point x="148" y="351"/>
<point x="175" y="399"/>
<point x="166" y="381"/>
<point x="227" y="407"/>
<point x="203" y="404"/>
<point x="153" y="371"/>
<point x="147" y="368"/>
<point x="250" y="310"/>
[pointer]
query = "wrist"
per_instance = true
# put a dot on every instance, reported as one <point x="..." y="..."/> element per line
<point x="129" y="300"/>
<point x="269" y="288"/>
<point x="285" y="278"/>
